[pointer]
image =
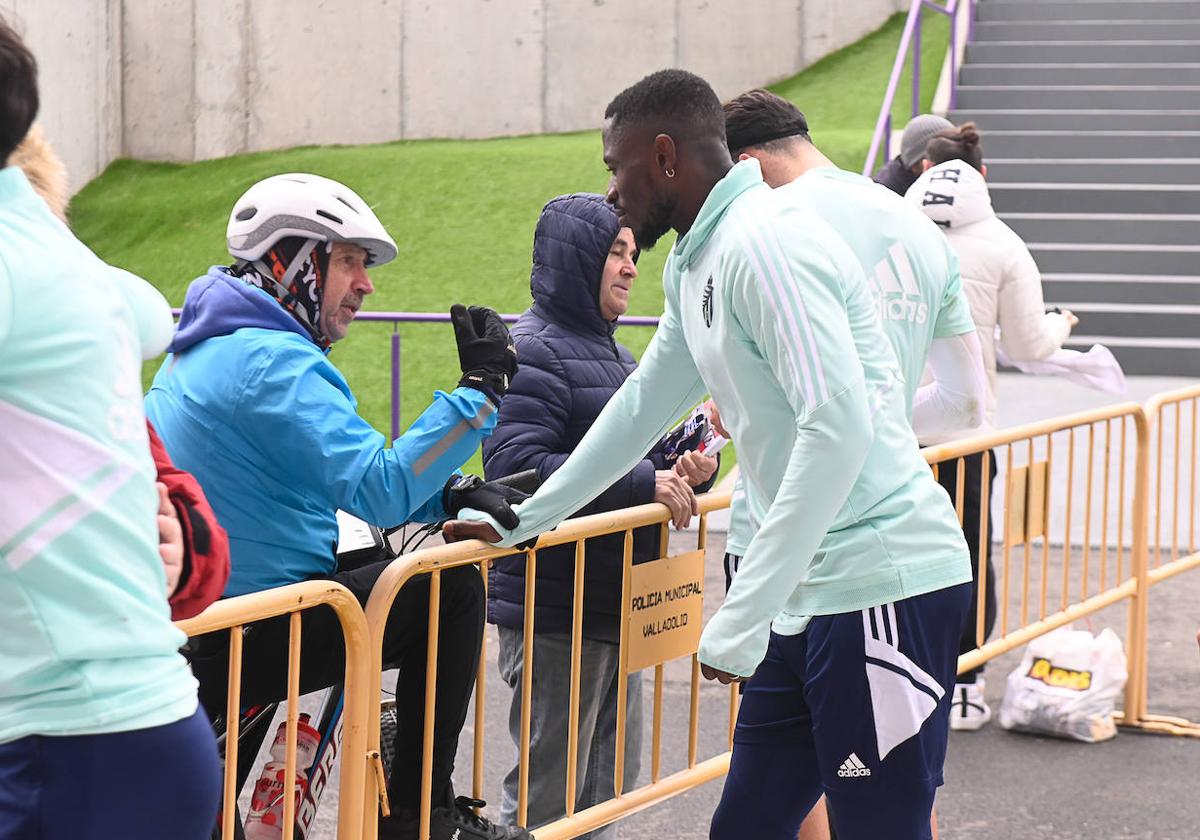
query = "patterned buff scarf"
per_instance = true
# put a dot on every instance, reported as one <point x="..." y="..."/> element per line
<point x="293" y="272"/>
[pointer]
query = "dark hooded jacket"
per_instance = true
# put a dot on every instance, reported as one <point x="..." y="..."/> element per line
<point x="570" y="367"/>
<point x="895" y="176"/>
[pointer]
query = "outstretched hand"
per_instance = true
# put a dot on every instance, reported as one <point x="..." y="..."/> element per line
<point x="457" y="530"/>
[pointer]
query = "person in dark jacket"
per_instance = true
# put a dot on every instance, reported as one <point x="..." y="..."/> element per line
<point x="899" y="173"/>
<point x="571" y="364"/>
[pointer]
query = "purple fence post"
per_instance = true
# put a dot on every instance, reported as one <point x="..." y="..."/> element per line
<point x="916" y="67"/>
<point x="395" y="379"/>
<point x="953" y="55"/>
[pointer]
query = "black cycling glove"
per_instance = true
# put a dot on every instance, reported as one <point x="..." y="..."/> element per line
<point x="490" y="497"/>
<point x="485" y="349"/>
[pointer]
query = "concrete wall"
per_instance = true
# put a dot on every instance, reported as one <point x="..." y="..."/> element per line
<point x="193" y="79"/>
<point x="78" y="46"/>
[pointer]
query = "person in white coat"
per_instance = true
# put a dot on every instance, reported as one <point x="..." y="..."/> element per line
<point x="1004" y="289"/>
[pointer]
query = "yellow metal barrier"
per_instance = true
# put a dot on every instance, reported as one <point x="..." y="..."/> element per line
<point x="1074" y="538"/>
<point x="433" y="561"/>
<point x="233" y="614"/>
<point x="1173" y="545"/>
<point x="1081" y="478"/>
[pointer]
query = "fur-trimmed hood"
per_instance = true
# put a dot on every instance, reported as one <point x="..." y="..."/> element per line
<point x="44" y="169"/>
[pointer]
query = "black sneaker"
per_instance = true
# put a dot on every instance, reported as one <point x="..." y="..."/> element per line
<point x="451" y="822"/>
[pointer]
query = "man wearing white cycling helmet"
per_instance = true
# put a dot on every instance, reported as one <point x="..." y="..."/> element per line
<point x="249" y="402"/>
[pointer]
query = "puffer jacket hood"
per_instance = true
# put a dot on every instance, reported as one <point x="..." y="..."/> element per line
<point x="571" y="365"/>
<point x="953" y="194"/>
<point x="570" y="246"/>
<point x="219" y="304"/>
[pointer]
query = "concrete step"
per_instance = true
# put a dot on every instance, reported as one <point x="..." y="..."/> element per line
<point x="1051" y="119"/>
<point x="1125" y="97"/>
<point x="1146" y="356"/>
<point x="1091" y="144"/>
<point x="1087" y="30"/>
<point x="1117" y="228"/>
<point x="1029" y="10"/>
<point x="1113" y="258"/>
<point x="1125" y="51"/>
<point x="1092" y="170"/>
<point x="1096" y="198"/>
<point x="1055" y="75"/>
<point x="1117" y="289"/>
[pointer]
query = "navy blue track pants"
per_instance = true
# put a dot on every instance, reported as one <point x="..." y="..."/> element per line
<point x="146" y="784"/>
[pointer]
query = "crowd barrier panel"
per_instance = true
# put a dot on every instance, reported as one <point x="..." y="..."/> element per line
<point x="234" y="614"/>
<point x="433" y="561"/>
<point x="1081" y="478"/>
<point x="1173" y="547"/>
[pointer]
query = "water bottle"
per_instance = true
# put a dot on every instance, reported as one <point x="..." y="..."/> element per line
<point x="265" y="820"/>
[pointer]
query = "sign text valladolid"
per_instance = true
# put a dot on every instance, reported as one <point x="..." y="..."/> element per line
<point x="666" y="609"/>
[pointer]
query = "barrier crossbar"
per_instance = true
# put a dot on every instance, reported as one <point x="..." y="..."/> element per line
<point x="234" y="614"/>
<point x="434" y="561"/>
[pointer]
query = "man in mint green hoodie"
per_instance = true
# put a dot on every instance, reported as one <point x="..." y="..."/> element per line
<point x="100" y="732"/>
<point x="849" y="600"/>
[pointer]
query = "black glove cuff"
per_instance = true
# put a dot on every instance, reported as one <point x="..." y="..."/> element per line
<point x="492" y="385"/>
<point x="453" y="490"/>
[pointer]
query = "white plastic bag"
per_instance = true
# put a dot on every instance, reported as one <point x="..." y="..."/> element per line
<point x="1067" y="685"/>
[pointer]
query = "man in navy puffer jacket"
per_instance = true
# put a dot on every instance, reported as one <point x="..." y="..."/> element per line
<point x="583" y="269"/>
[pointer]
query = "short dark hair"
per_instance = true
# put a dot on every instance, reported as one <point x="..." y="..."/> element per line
<point x="759" y="119"/>
<point x="960" y="143"/>
<point x="672" y="98"/>
<point x="18" y="90"/>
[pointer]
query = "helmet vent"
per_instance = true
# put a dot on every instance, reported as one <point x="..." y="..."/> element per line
<point x="329" y="216"/>
<point x="246" y="214"/>
<point x="347" y="203"/>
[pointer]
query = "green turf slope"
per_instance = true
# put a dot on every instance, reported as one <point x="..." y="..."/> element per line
<point x="462" y="213"/>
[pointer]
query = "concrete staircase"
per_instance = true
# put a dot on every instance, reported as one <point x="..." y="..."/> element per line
<point x="1090" y="113"/>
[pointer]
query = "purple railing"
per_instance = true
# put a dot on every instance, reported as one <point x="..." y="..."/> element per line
<point x="398" y="318"/>
<point x="910" y="41"/>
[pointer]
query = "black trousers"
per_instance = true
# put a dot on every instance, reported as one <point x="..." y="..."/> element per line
<point x="972" y="521"/>
<point x="323" y="663"/>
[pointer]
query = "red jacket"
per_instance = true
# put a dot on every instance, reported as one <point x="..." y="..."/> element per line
<point x="205" y="543"/>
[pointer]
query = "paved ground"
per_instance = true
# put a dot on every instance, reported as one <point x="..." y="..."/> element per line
<point x="999" y="785"/>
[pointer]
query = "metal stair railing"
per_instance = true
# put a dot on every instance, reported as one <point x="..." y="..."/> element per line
<point x="910" y="41"/>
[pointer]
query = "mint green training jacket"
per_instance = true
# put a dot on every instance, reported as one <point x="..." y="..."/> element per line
<point x="87" y="646"/>
<point x="909" y="266"/>
<point x="768" y="310"/>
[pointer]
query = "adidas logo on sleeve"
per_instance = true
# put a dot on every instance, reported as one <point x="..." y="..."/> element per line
<point x="852" y="768"/>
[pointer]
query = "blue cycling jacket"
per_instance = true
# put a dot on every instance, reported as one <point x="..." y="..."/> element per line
<point x="248" y="404"/>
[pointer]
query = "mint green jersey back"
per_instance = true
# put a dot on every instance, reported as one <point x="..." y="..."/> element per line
<point x="86" y="641"/>
<point x="910" y="268"/>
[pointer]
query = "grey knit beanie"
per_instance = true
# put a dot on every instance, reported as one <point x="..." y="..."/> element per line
<point x="919" y="131"/>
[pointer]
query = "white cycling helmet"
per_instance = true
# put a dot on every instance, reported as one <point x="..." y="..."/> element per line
<point x="309" y="207"/>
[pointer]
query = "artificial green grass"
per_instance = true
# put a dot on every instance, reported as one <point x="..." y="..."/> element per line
<point x="461" y="212"/>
